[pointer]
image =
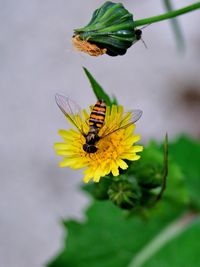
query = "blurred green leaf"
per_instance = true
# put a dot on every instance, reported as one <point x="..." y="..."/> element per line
<point x="110" y="239"/>
<point x="97" y="89"/>
<point x="149" y="173"/>
<point x="182" y="251"/>
<point x="114" y="102"/>
<point x="186" y="153"/>
<point x="98" y="190"/>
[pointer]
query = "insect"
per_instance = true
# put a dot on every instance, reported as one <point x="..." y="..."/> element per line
<point x="95" y="123"/>
<point x="138" y="34"/>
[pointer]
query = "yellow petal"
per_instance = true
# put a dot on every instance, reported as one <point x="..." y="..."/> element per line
<point x="73" y="163"/>
<point x="96" y="178"/>
<point x="137" y="149"/>
<point x="88" y="175"/>
<point x="114" y="169"/>
<point x="60" y="146"/>
<point x="136" y="138"/>
<point x="64" y="153"/>
<point x="122" y="164"/>
<point x="136" y="157"/>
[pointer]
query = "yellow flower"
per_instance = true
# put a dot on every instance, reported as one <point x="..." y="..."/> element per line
<point x="112" y="150"/>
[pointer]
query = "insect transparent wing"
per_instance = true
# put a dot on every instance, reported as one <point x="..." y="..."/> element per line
<point x="134" y="116"/>
<point x="70" y="109"/>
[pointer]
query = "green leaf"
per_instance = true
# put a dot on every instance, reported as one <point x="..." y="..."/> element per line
<point x="186" y="153"/>
<point x="114" y="102"/>
<point x="97" y="89"/>
<point x="108" y="238"/>
<point x="180" y="251"/>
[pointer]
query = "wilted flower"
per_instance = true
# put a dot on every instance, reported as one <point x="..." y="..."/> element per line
<point x="111" y="30"/>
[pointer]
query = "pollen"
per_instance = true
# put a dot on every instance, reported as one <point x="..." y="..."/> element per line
<point x="87" y="47"/>
<point x="113" y="151"/>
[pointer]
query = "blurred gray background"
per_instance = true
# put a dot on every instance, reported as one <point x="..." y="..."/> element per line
<point x="37" y="61"/>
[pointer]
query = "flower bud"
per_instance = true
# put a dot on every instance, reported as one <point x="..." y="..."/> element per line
<point x="124" y="194"/>
<point x="151" y="176"/>
<point x="111" y="30"/>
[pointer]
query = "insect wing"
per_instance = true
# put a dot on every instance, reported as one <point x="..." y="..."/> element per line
<point x="70" y="109"/>
<point x="134" y="116"/>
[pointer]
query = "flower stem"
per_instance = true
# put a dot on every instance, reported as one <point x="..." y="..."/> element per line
<point x="167" y="15"/>
<point x="178" y="34"/>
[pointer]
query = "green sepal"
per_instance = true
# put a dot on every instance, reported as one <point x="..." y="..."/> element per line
<point x="125" y="193"/>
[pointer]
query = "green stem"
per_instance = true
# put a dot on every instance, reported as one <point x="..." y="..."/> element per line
<point x="165" y="172"/>
<point x="168" y="15"/>
<point x="176" y="27"/>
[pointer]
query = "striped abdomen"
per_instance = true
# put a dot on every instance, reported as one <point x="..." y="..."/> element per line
<point x="97" y="115"/>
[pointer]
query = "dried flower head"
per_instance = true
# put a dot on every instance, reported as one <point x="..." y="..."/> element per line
<point x="87" y="47"/>
<point x="111" y="29"/>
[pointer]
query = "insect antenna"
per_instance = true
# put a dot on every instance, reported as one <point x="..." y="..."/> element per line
<point x="140" y="34"/>
<point x="144" y="43"/>
<point x="147" y="25"/>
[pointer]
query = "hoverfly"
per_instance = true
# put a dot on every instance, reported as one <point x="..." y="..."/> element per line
<point x="95" y="123"/>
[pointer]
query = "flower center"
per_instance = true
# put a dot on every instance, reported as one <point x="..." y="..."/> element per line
<point x="108" y="148"/>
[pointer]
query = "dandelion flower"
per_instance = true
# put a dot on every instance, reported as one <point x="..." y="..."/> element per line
<point x="112" y="150"/>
